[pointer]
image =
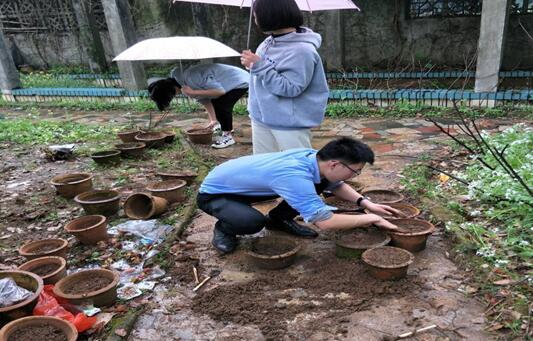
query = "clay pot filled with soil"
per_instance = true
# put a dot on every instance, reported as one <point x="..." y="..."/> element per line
<point x="343" y="205"/>
<point x="89" y="229"/>
<point x="51" y="268"/>
<point x="408" y="211"/>
<point x="353" y="244"/>
<point x="169" y="135"/>
<point x="200" y="135"/>
<point x="28" y="281"/>
<point x="128" y="135"/>
<point x="100" y="202"/>
<point x="46" y="247"/>
<point x="152" y="139"/>
<point x="144" y="206"/>
<point x="172" y="190"/>
<point x="273" y="253"/>
<point x="71" y="184"/>
<point x="413" y="234"/>
<point x="187" y="175"/>
<point x="387" y="262"/>
<point x="357" y="185"/>
<point x="132" y="149"/>
<point x="44" y="328"/>
<point x="106" y="157"/>
<point x="95" y="286"/>
<point x="383" y="196"/>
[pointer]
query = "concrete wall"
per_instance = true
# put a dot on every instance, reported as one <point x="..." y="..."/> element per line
<point x="379" y="37"/>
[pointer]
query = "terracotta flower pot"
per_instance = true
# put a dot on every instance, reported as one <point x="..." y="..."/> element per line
<point x="273" y="253"/>
<point x="409" y="211"/>
<point x="144" y="206"/>
<point x="152" y="139"/>
<point x="172" y="190"/>
<point x="88" y="229"/>
<point x="357" y="185"/>
<point x="50" y="268"/>
<point x="413" y="235"/>
<point x="387" y="262"/>
<point x="45" y="328"/>
<point x="46" y="247"/>
<point x="106" y="157"/>
<point x="169" y="135"/>
<point x="200" y="136"/>
<point x="71" y="184"/>
<point x="131" y="149"/>
<point x="383" y="196"/>
<point x="128" y="135"/>
<point x="353" y="244"/>
<point x="188" y="176"/>
<point x="95" y="286"/>
<point x="100" y="202"/>
<point x="26" y="280"/>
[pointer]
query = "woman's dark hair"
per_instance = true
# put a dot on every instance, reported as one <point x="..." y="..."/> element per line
<point x="272" y="15"/>
<point x="163" y="91"/>
<point x="347" y="150"/>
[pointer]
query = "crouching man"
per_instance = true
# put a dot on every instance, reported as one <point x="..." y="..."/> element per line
<point x="298" y="176"/>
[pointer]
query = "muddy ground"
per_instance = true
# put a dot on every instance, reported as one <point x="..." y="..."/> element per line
<point x="320" y="297"/>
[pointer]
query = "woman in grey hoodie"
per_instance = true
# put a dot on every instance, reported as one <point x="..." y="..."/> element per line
<point x="288" y="89"/>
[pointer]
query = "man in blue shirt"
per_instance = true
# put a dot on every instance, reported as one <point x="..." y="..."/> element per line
<point x="296" y="175"/>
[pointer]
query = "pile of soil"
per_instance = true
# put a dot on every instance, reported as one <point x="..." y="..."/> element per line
<point x="87" y="285"/>
<point x="411" y="226"/>
<point x="45" y="269"/>
<point x="362" y="237"/>
<point x="272" y="248"/>
<point x="38" y="332"/>
<point x="327" y="287"/>
<point x="387" y="256"/>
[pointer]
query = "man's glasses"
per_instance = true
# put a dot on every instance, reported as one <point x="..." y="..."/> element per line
<point x="356" y="172"/>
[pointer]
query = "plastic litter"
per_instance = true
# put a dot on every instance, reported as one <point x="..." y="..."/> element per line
<point x="11" y="293"/>
<point x="128" y="292"/>
<point x="48" y="305"/>
<point x="60" y="152"/>
<point x="150" y="231"/>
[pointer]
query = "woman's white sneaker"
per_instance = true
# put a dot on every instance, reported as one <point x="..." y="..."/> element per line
<point x="223" y="142"/>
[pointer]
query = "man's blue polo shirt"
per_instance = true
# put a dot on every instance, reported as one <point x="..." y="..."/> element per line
<point x="291" y="174"/>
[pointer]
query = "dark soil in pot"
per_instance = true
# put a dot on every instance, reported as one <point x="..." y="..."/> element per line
<point x="383" y="196"/>
<point x="273" y="252"/>
<point x="128" y="135"/>
<point x="43" y="332"/>
<point x="106" y="157"/>
<point x="387" y="262"/>
<point x="352" y="244"/>
<point x="43" y="270"/>
<point x="87" y="285"/>
<point x="152" y="139"/>
<point x="45" y="247"/>
<point x="412" y="234"/>
<point x="272" y="249"/>
<point x="132" y="149"/>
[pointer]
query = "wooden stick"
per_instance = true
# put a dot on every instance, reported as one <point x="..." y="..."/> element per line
<point x="196" y="288"/>
<point x="195" y="272"/>
<point x="403" y="336"/>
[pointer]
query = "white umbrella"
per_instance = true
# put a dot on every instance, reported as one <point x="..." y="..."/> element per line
<point x="304" y="5"/>
<point x="176" y="48"/>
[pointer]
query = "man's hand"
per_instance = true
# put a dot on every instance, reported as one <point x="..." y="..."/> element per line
<point x="385" y="224"/>
<point x="382" y="210"/>
<point x="248" y="58"/>
<point x="187" y="91"/>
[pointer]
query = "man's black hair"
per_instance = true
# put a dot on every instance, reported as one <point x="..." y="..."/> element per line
<point x="163" y="91"/>
<point x="347" y="150"/>
<point x="272" y="15"/>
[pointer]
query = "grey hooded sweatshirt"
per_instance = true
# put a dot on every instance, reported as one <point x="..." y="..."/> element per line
<point x="288" y="87"/>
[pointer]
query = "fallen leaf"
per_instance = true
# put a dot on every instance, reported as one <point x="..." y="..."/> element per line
<point x="503" y="282"/>
<point x="496" y="326"/>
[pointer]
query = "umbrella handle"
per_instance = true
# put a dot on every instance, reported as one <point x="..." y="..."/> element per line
<point x="250" y="25"/>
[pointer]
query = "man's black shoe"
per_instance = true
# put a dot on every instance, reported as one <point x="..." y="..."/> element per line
<point x="290" y="226"/>
<point x="223" y="242"/>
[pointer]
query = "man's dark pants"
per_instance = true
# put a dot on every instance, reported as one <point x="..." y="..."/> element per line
<point x="223" y="106"/>
<point x="236" y="215"/>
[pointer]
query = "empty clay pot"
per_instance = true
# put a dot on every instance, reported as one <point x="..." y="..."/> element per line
<point x="172" y="190"/>
<point x="413" y="235"/>
<point x="144" y="206"/>
<point x="33" y="325"/>
<point x="95" y="286"/>
<point x="387" y="262"/>
<point x="46" y="247"/>
<point x="99" y="202"/>
<point x="89" y="229"/>
<point x="26" y="280"/>
<point x="354" y="243"/>
<point x="50" y="268"/>
<point x="106" y="157"/>
<point x="71" y="184"/>
<point x="131" y="149"/>
<point x="383" y="196"/>
<point x="273" y="253"/>
<point x="200" y="136"/>
<point x="152" y="139"/>
<point x="128" y="135"/>
<point x="188" y="176"/>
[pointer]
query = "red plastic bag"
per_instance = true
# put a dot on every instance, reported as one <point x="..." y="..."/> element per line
<point x="48" y="305"/>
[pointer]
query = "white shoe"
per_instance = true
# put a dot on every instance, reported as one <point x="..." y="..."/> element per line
<point x="223" y="142"/>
